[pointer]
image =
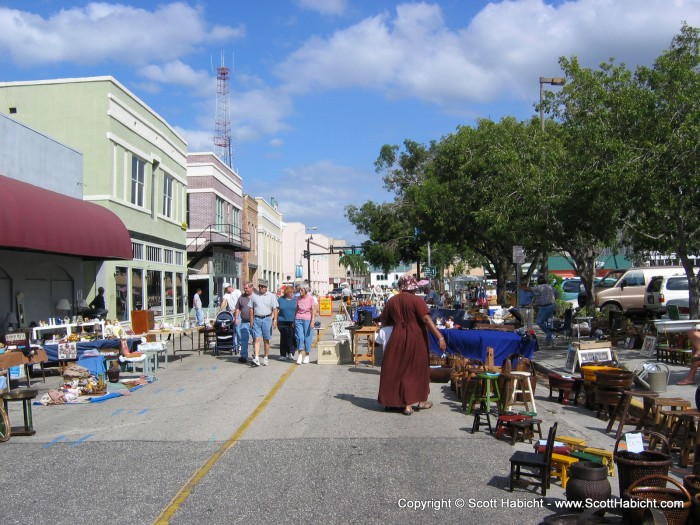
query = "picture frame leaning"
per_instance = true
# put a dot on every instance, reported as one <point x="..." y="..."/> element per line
<point x="648" y="346"/>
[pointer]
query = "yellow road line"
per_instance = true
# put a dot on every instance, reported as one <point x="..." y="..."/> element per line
<point x="186" y="490"/>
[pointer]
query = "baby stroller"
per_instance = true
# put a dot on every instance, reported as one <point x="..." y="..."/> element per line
<point x="225" y="333"/>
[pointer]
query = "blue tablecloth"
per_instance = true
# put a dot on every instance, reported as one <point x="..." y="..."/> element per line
<point x="52" y="350"/>
<point x="473" y="343"/>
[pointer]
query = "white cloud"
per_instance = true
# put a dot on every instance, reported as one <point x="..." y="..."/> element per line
<point x="102" y="32"/>
<point x="179" y="73"/>
<point x="276" y="143"/>
<point x="325" y="7"/>
<point x="502" y="50"/>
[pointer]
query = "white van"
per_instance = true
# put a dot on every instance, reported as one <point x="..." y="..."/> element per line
<point x="628" y="294"/>
<point x="661" y="290"/>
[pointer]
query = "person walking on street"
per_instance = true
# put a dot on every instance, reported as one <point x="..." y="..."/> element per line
<point x="525" y="298"/>
<point x="303" y="324"/>
<point x="285" y="323"/>
<point x="694" y="338"/>
<point x="243" y="319"/>
<point x="265" y="307"/>
<point x="545" y="296"/>
<point x="405" y="373"/>
<point x="197" y="304"/>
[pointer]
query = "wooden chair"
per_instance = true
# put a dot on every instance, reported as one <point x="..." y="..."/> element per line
<point x="539" y="465"/>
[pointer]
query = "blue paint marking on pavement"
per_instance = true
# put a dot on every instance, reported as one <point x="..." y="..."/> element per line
<point x="214" y="367"/>
<point x="117" y="412"/>
<point x="141" y="412"/>
<point x="84" y="438"/>
<point x="59" y="438"/>
<point x="212" y="440"/>
<point x="200" y="369"/>
<point x="180" y="390"/>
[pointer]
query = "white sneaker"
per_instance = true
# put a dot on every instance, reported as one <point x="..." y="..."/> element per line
<point x="306" y="360"/>
<point x="290" y="357"/>
<point x="265" y="361"/>
<point x="299" y="358"/>
<point x="255" y="361"/>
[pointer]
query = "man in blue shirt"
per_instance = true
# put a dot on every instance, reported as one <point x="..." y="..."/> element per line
<point x="525" y="298"/>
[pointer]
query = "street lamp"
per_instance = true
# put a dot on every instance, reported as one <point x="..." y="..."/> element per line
<point x="553" y="81"/>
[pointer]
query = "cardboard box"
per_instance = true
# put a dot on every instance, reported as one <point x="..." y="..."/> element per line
<point x="589" y="345"/>
<point x="334" y="352"/>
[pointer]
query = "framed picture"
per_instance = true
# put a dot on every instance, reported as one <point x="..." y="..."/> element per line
<point x="648" y="346"/>
<point x="593" y="355"/>
<point x="67" y="351"/>
<point x="570" y="361"/>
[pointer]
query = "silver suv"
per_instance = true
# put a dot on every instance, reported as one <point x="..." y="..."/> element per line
<point x="661" y="289"/>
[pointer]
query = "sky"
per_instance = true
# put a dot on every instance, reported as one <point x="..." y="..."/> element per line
<point x="317" y="87"/>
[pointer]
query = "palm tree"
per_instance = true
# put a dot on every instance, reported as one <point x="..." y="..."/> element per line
<point x="354" y="262"/>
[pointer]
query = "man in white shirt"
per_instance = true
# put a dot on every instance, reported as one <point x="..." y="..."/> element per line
<point x="265" y="308"/>
<point x="197" y="304"/>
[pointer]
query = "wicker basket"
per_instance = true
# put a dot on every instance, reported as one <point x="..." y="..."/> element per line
<point x="632" y="466"/>
<point x="647" y="488"/>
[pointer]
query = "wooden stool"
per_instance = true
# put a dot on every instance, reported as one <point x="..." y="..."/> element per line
<point x="521" y="384"/>
<point x="574" y="443"/>
<point x="25" y="395"/>
<point x="621" y="411"/>
<point x="503" y="423"/>
<point x="681" y="425"/>
<point x="605" y="455"/>
<point x="488" y="392"/>
<point x="566" y="386"/>
<point x="524" y="429"/>
<point x="560" y="467"/>
<point x="652" y="407"/>
<point x="482" y="411"/>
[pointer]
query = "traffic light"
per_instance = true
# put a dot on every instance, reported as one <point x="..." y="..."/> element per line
<point x="331" y="248"/>
<point x="306" y="254"/>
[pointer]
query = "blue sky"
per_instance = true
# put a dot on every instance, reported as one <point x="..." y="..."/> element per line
<point x="318" y="86"/>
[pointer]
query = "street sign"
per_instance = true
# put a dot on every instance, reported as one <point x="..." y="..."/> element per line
<point x="518" y="255"/>
<point x="430" y="271"/>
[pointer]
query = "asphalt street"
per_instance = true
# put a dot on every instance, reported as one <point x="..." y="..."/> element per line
<point x="215" y="441"/>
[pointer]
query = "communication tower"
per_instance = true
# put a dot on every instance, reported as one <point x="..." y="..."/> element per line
<point x="222" y="123"/>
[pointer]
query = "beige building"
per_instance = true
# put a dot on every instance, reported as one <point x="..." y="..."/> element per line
<point x="269" y="243"/>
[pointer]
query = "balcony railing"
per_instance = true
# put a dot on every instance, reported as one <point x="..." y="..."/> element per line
<point x="225" y="235"/>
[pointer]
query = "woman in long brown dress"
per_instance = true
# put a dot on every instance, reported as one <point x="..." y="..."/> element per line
<point x="405" y="376"/>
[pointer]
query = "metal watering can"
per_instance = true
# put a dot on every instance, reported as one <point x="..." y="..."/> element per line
<point x="652" y="376"/>
<point x="186" y="324"/>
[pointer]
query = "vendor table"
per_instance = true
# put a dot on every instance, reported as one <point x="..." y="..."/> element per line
<point x="473" y="344"/>
<point x="17" y="358"/>
<point x="182" y="332"/>
<point x="98" y="344"/>
<point x="369" y="332"/>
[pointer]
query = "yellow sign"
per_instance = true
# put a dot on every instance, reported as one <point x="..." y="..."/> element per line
<point x="325" y="306"/>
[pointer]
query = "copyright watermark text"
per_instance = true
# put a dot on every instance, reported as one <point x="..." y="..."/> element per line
<point x="467" y="503"/>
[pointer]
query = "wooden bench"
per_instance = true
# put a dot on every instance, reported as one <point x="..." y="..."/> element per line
<point x="560" y="467"/>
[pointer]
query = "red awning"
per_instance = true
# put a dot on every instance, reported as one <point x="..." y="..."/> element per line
<point x="36" y="219"/>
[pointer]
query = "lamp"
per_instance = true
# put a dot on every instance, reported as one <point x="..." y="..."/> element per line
<point x="62" y="306"/>
<point x="552" y="81"/>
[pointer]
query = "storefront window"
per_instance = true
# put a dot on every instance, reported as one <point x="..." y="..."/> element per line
<point x="137" y="289"/>
<point x="121" y="292"/>
<point x="169" y="299"/>
<point x="180" y="290"/>
<point x="155" y="289"/>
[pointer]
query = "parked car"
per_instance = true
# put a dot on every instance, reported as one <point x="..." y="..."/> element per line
<point x="627" y="295"/>
<point x="335" y="294"/>
<point x="570" y="289"/>
<point x="661" y="290"/>
<point x="600" y="283"/>
<point x="683" y="308"/>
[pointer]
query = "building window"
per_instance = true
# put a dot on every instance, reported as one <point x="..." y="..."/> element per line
<point x="154" y="288"/>
<point x="220" y="214"/>
<point x="136" y="289"/>
<point x="178" y="258"/>
<point x="138" y="168"/>
<point x="168" y="196"/>
<point x="121" y="292"/>
<point x="236" y="221"/>
<point x="153" y="253"/>
<point x="137" y="250"/>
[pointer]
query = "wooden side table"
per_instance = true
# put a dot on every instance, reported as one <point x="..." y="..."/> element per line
<point x="369" y="333"/>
